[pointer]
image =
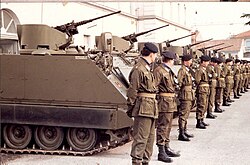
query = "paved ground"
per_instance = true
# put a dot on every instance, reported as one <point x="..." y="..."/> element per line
<point x="225" y="142"/>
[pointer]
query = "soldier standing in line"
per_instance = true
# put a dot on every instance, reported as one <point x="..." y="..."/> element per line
<point x="212" y="84"/>
<point x="229" y="81"/>
<point x="236" y="71"/>
<point x="245" y="76"/>
<point x="167" y="106"/>
<point x="202" y="91"/>
<point x="186" y="97"/>
<point x="142" y="105"/>
<point x="242" y="70"/>
<point x="220" y="85"/>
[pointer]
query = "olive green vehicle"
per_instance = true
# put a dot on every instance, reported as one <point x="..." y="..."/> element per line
<point x="60" y="99"/>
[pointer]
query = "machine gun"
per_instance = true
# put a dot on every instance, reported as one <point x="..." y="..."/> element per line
<point x="132" y="38"/>
<point x="203" y="50"/>
<point x="188" y="47"/>
<point x="71" y="28"/>
<point x="169" y="41"/>
<point x="216" y="50"/>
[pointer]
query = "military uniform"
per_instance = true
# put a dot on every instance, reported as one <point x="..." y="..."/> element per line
<point x="202" y="93"/>
<point x="242" y="70"/>
<point x="212" y="75"/>
<point x="229" y="83"/>
<point x="186" y="97"/>
<point x="220" y="86"/>
<point x="236" y="73"/>
<point x="167" y="106"/>
<point x="245" y="77"/>
<point x="141" y="100"/>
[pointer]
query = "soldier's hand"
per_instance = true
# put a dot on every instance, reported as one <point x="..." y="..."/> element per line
<point x="130" y="110"/>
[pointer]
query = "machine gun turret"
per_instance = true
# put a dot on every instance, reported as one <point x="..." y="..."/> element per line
<point x="71" y="28"/>
<point x="188" y="47"/>
<point x="203" y="50"/>
<point x="132" y="38"/>
<point x="216" y="50"/>
<point x="170" y="41"/>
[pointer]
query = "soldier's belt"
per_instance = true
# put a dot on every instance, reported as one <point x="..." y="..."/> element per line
<point x="150" y="95"/>
<point x="221" y="78"/>
<point x="204" y="85"/>
<point x="167" y="94"/>
<point x="229" y="76"/>
<point x="188" y="87"/>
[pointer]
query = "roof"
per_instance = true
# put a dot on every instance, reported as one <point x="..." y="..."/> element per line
<point x="242" y="35"/>
<point x="236" y="42"/>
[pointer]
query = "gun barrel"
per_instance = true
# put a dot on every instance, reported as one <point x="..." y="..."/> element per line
<point x="169" y="41"/>
<point x="223" y="48"/>
<point x="208" y="47"/>
<point x="133" y="36"/>
<point x="199" y="42"/>
<point x="90" y="20"/>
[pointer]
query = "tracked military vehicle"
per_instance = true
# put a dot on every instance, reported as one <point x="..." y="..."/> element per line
<point x="60" y="100"/>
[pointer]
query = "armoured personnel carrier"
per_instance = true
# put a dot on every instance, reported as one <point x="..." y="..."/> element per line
<point x="60" y="100"/>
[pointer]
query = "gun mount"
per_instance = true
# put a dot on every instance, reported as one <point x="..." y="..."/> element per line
<point x="176" y="39"/>
<point x="71" y="28"/>
<point x="187" y="49"/>
<point x="132" y="38"/>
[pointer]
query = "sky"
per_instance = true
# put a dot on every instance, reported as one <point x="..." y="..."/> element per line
<point x="217" y="20"/>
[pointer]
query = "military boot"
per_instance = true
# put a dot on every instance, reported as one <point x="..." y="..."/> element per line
<point x="225" y="103"/>
<point x="171" y="153"/>
<point x="202" y="120"/>
<point x="229" y="100"/>
<point x="200" y="124"/>
<point x="182" y="136"/>
<point x="145" y="163"/>
<point x="162" y="156"/>
<point x="235" y="96"/>
<point x="186" y="133"/>
<point x="238" y="93"/>
<point x="217" y="108"/>
<point x="242" y="91"/>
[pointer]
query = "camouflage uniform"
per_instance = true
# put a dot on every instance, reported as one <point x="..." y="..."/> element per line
<point x="141" y="97"/>
<point x="202" y="92"/>
<point x="167" y="103"/>
<point x="236" y="73"/>
<point x="220" y="87"/>
<point x="186" y="97"/>
<point x="229" y="83"/>
<point x="212" y="75"/>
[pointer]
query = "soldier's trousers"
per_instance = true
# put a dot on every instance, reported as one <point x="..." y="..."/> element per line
<point x="144" y="136"/>
<point x="227" y="90"/>
<point x="164" y="125"/>
<point x="184" y="111"/>
<point x="236" y="88"/>
<point x="218" y="95"/>
<point x="202" y="104"/>
<point x="211" y="100"/>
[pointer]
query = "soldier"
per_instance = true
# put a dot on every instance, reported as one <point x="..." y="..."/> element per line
<point x="167" y="106"/>
<point x="202" y="91"/>
<point x="229" y="82"/>
<point x="186" y="97"/>
<point x="212" y="84"/>
<point x="142" y="105"/>
<point x="245" y="76"/>
<point x="242" y="70"/>
<point x="220" y="85"/>
<point x="236" y="72"/>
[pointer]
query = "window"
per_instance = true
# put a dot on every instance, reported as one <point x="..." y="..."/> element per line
<point x="247" y="45"/>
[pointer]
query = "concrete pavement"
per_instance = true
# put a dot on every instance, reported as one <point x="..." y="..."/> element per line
<point x="225" y="142"/>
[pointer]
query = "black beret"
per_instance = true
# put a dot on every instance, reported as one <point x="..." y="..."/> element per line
<point x="186" y="57"/>
<point x="214" y="59"/>
<point x="205" y="58"/>
<point x="151" y="47"/>
<point x="220" y="60"/>
<point x="237" y="61"/>
<point x="229" y="60"/>
<point x="169" y="54"/>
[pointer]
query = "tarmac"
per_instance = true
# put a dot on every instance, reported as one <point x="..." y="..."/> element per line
<point x="225" y="142"/>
